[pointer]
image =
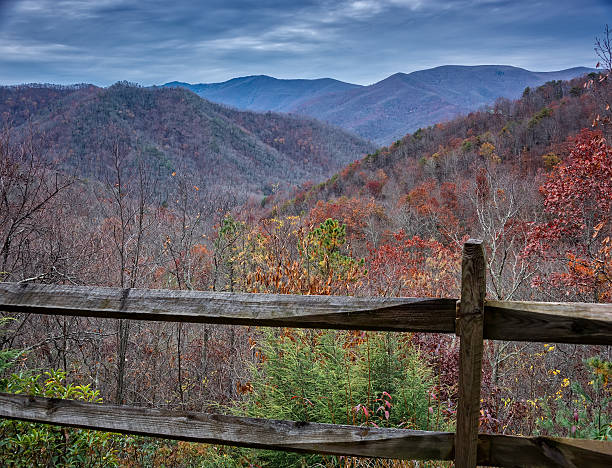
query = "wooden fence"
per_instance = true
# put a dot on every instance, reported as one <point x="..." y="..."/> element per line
<point x="471" y="318"/>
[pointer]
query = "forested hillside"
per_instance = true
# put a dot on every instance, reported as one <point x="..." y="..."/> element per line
<point x="527" y="137"/>
<point x="169" y="129"/>
<point x="531" y="177"/>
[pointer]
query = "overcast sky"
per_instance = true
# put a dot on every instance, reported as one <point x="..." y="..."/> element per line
<point x="359" y="41"/>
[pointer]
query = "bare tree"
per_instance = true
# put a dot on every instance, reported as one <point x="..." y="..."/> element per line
<point x="131" y="219"/>
<point x="31" y="189"/>
<point x="28" y="187"/>
<point x="603" y="49"/>
<point x="183" y="231"/>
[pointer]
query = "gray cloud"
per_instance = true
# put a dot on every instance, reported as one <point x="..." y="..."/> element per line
<point x="354" y="40"/>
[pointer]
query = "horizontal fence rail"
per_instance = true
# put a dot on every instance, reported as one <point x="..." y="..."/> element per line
<point x="233" y="430"/>
<point x="275" y="310"/>
<point x="331" y="439"/>
<point x="567" y="322"/>
<point x="503" y="320"/>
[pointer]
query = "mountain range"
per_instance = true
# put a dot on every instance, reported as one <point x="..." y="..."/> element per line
<point x="385" y="111"/>
<point x="225" y="148"/>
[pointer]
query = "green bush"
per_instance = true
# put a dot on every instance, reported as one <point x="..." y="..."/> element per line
<point x="24" y="444"/>
<point x="374" y="379"/>
<point x="466" y="146"/>
<point x="8" y="357"/>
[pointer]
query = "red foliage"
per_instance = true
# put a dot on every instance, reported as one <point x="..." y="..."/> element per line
<point x="375" y="185"/>
<point x="356" y="213"/>
<point x="413" y="267"/>
<point x="420" y="198"/>
<point x="437" y="202"/>
<point x="578" y="201"/>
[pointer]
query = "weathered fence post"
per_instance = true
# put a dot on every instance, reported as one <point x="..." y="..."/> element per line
<point x="469" y="328"/>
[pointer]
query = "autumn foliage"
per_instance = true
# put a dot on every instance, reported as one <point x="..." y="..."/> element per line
<point x="577" y="199"/>
<point x="413" y="267"/>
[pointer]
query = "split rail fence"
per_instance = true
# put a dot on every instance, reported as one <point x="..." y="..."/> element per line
<point x="471" y="318"/>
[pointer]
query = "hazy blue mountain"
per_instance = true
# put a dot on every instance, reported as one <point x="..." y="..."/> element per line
<point x="387" y="110"/>
<point x="264" y="93"/>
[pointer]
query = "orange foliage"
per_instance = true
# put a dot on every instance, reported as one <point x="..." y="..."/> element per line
<point x="356" y="213"/>
<point x="578" y="201"/>
<point x="414" y="267"/>
<point x="440" y="202"/>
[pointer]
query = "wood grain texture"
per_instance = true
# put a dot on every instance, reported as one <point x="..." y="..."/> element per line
<point x="342" y="312"/>
<point x="233" y="430"/>
<point x="566" y="322"/>
<point x="470" y="319"/>
<point x="493" y="449"/>
<point x="515" y="451"/>
<point x="508" y="320"/>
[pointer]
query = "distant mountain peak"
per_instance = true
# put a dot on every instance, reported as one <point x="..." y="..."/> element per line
<point x="386" y="110"/>
<point x="403" y="102"/>
<point x="265" y="93"/>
